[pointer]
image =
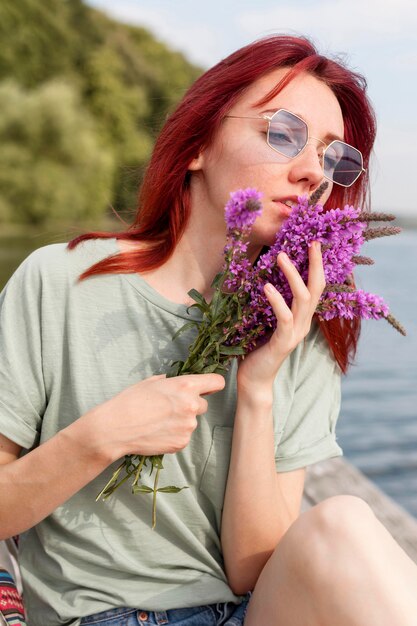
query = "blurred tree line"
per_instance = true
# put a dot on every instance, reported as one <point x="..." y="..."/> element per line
<point x="81" y="99"/>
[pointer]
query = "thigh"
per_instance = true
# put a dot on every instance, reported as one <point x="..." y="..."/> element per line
<point x="282" y="594"/>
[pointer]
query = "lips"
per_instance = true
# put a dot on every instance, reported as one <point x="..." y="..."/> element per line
<point x="284" y="208"/>
<point x="289" y="200"/>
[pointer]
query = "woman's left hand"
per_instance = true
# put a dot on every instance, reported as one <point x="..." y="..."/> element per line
<point x="257" y="371"/>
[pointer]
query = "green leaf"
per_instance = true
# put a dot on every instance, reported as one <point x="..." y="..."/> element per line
<point x="174" y="369"/>
<point x="156" y="461"/>
<point x="232" y="350"/>
<point x="142" y="489"/>
<point x="196" y="295"/>
<point x="209" y="369"/>
<point x="185" y="327"/>
<point x="215" y="304"/>
<point x="217" y="280"/>
<point x="200" y="307"/>
<point x="171" y="489"/>
<point x="198" y="366"/>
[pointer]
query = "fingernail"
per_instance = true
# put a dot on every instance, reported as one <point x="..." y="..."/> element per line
<point x="270" y="288"/>
<point x="284" y="257"/>
<point x="316" y="245"/>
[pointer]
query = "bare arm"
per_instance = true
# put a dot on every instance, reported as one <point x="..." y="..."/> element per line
<point x="154" y="416"/>
<point x="259" y="504"/>
<point x="47" y="476"/>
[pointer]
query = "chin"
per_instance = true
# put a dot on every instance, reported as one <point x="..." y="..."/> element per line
<point x="264" y="237"/>
<point x="269" y="238"/>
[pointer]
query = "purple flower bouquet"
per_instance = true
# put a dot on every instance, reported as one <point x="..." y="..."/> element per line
<point x="239" y="316"/>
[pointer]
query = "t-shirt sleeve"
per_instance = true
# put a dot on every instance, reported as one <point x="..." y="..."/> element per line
<point x="308" y="423"/>
<point x="22" y="389"/>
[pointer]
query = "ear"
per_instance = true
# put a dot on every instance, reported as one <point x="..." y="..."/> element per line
<point x="197" y="163"/>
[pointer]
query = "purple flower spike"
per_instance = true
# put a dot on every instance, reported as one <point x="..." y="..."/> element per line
<point x="242" y="210"/>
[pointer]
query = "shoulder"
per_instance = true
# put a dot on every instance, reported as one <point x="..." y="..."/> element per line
<point x="45" y="260"/>
<point x="54" y="262"/>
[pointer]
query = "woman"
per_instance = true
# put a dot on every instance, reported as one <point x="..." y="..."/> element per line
<point x="70" y="391"/>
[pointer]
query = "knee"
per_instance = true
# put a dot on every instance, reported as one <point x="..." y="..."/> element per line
<point x="331" y="527"/>
<point x="342" y="514"/>
<point x="323" y="540"/>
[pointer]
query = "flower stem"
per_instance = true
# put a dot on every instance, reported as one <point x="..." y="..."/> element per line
<point x="155" y="489"/>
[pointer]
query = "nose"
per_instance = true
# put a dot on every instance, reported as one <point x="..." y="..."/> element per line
<point x="307" y="167"/>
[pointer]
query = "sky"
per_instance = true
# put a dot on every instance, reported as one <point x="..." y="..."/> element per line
<point x="378" y="38"/>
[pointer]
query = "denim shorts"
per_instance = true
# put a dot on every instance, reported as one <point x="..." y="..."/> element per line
<point x="220" y="614"/>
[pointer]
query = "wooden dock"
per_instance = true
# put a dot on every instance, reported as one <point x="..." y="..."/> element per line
<point x="337" y="476"/>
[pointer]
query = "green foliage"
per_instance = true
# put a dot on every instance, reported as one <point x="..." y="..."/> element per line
<point x="166" y="73"/>
<point x="38" y="40"/>
<point x="52" y="164"/>
<point x="96" y="141"/>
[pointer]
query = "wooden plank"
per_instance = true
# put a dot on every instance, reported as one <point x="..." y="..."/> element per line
<point x="337" y="476"/>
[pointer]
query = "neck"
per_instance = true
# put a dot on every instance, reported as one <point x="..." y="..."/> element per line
<point x="197" y="258"/>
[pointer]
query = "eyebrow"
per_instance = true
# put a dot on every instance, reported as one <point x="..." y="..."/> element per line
<point x="328" y="137"/>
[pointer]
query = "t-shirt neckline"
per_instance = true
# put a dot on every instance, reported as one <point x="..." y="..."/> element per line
<point x="153" y="296"/>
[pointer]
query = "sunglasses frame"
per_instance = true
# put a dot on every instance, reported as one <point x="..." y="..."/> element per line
<point x="269" y="119"/>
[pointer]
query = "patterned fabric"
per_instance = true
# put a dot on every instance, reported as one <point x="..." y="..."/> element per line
<point x="11" y="605"/>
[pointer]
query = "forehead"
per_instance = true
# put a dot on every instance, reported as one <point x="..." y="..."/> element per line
<point x="305" y="95"/>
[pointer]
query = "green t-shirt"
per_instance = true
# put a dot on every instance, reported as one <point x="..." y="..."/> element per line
<point x="66" y="347"/>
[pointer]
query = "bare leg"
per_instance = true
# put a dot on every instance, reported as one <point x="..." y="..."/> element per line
<point x="337" y="564"/>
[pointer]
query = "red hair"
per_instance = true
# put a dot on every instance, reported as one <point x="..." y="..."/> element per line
<point x="164" y="203"/>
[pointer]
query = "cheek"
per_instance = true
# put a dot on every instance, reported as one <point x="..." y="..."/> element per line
<point x="255" y="152"/>
<point x="245" y="151"/>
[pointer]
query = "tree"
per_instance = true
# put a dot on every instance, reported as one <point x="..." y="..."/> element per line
<point x="123" y="83"/>
<point x="53" y="165"/>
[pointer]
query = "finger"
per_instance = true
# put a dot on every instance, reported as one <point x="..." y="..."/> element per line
<point x="316" y="278"/>
<point x="281" y="310"/>
<point x="202" y="407"/>
<point x="205" y="384"/>
<point x="298" y="287"/>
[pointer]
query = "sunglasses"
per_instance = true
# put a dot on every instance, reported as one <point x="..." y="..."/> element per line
<point x="288" y="135"/>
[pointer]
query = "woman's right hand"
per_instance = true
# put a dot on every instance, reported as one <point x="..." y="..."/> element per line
<point x="154" y="416"/>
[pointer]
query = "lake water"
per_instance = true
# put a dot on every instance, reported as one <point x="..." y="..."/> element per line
<point x="377" y="428"/>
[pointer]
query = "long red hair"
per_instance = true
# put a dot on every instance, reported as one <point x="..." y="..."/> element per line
<point x="164" y="203"/>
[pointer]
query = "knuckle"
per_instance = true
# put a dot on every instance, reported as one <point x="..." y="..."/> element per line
<point x="217" y="380"/>
<point x="185" y="439"/>
<point x="305" y="296"/>
<point x="182" y="442"/>
<point x="185" y="383"/>
<point x="193" y="407"/>
<point x="286" y="318"/>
